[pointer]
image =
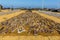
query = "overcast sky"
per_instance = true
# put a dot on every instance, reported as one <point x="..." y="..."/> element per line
<point x="31" y="3"/>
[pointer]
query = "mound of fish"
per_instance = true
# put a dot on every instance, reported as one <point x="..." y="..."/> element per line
<point x="31" y="23"/>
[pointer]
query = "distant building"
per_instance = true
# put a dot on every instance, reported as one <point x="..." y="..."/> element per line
<point x="53" y="10"/>
<point x="58" y="10"/>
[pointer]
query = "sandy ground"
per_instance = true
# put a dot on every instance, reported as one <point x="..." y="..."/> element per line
<point x="30" y="37"/>
<point x="40" y="37"/>
<point x="56" y="14"/>
<point x="4" y="12"/>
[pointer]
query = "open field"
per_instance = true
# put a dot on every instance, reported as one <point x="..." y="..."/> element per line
<point x="23" y="36"/>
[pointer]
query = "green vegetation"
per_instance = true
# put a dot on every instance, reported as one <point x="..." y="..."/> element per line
<point x="0" y="7"/>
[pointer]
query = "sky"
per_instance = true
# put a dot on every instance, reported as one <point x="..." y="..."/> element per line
<point x="31" y="3"/>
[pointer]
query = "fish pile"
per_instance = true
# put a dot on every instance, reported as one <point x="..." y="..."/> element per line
<point x="33" y="23"/>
